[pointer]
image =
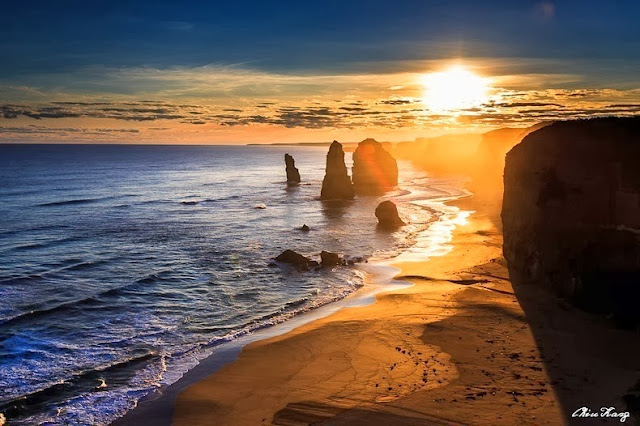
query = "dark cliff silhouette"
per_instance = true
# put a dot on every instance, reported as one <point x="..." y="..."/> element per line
<point x="337" y="183"/>
<point x="375" y="171"/>
<point x="571" y="213"/>
<point x="293" y="175"/>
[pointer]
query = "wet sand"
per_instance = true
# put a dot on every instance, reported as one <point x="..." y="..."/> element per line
<point x="458" y="347"/>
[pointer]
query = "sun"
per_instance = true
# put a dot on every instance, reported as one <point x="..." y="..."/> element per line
<point x="453" y="89"/>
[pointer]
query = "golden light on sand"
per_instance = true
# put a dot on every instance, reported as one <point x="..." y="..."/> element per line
<point x="453" y="89"/>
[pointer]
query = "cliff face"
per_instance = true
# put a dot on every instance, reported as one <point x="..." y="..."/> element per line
<point x="375" y="171"/>
<point x="293" y="175"/>
<point x="337" y="183"/>
<point x="571" y="212"/>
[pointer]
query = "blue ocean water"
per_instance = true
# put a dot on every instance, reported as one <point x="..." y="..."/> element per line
<point x="121" y="266"/>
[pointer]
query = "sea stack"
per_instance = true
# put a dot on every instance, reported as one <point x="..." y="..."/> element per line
<point x="293" y="175"/>
<point x="571" y="213"/>
<point x="337" y="183"/>
<point x="375" y="171"/>
<point x="387" y="214"/>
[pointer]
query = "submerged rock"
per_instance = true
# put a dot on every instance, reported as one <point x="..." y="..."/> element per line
<point x="337" y="183"/>
<point x="351" y="260"/>
<point x="189" y="203"/>
<point x="329" y="259"/>
<point x="304" y="228"/>
<point x="571" y="212"/>
<point x="293" y="175"/>
<point x="296" y="259"/>
<point x="375" y="171"/>
<point x="387" y="214"/>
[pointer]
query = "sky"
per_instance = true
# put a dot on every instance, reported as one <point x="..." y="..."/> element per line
<point x="294" y="71"/>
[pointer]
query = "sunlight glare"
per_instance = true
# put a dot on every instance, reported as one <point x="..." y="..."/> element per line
<point x="453" y="89"/>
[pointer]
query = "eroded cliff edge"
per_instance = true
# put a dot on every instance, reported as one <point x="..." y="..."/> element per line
<point x="571" y="213"/>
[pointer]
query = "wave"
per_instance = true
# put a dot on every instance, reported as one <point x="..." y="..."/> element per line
<point x="70" y="202"/>
<point x="67" y="265"/>
<point x="78" y="201"/>
<point x="89" y="301"/>
<point x="83" y="381"/>
<point x="43" y="244"/>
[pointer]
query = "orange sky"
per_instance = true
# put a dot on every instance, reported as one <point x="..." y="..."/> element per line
<point x="238" y="105"/>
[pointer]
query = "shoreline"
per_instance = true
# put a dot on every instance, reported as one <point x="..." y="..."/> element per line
<point x="380" y="277"/>
<point x="407" y="269"/>
<point x="388" y="278"/>
<point x="461" y="346"/>
<point x="159" y="405"/>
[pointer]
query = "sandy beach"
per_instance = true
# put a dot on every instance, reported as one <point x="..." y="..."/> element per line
<point x="458" y="347"/>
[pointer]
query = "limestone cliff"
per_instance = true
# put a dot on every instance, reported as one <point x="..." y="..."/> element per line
<point x="337" y="183"/>
<point x="293" y="175"/>
<point x="571" y="212"/>
<point x="375" y="171"/>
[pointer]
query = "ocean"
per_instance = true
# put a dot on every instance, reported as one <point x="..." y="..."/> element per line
<point x="122" y="266"/>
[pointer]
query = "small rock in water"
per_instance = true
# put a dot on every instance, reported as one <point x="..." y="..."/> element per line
<point x="295" y="259"/>
<point x="329" y="259"/>
<point x="387" y="214"/>
<point x="350" y="260"/>
<point x="189" y="203"/>
<point x="260" y="206"/>
<point x="304" y="228"/>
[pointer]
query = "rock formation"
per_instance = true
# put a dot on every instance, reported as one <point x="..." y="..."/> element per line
<point x="387" y="214"/>
<point x="337" y="183"/>
<point x="329" y="259"/>
<point x="296" y="259"/>
<point x="293" y="175"/>
<point x="375" y="171"/>
<point x="571" y="212"/>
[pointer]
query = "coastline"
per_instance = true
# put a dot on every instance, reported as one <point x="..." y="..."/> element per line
<point x="158" y="407"/>
<point x="322" y="370"/>
<point x="460" y="346"/>
<point x="381" y="277"/>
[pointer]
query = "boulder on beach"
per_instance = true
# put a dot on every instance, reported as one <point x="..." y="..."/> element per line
<point x="337" y="183"/>
<point x="329" y="259"/>
<point x="387" y="214"/>
<point x="571" y="212"/>
<point x="375" y="171"/>
<point x="296" y="259"/>
<point x="293" y="175"/>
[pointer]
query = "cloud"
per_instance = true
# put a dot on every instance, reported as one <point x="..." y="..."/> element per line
<point x="181" y="102"/>
<point x="399" y="101"/>
<point x="527" y="104"/>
